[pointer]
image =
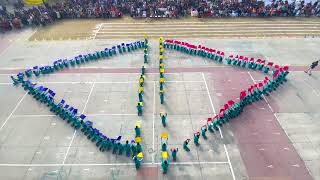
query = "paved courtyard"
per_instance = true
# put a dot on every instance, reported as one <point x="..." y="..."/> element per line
<point x="277" y="138"/>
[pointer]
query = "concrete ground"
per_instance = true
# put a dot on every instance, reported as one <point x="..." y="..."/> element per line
<point x="179" y="28"/>
<point x="277" y="138"/>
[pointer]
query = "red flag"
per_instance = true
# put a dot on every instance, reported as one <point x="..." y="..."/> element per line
<point x="270" y="64"/>
<point x="243" y="94"/>
<point x="230" y="102"/>
<point x="276" y="73"/>
<point x="226" y="106"/>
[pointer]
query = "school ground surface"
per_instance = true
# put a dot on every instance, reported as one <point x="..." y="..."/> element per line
<point x="277" y="138"/>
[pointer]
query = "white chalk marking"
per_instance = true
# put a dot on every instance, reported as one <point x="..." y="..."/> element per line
<point x="109" y="164"/>
<point x="221" y="135"/>
<point x="263" y="96"/>
<point x="313" y="89"/>
<point x="229" y="162"/>
<point x="101" y="82"/>
<point x="212" y="107"/>
<point x="75" y="131"/>
<point x="14" y="110"/>
<point x="153" y="118"/>
<point x="34" y="115"/>
<point x="97" y="31"/>
<point x="65" y="157"/>
<point x="102" y="114"/>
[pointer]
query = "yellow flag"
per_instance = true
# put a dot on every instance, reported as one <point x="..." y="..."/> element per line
<point x="164" y="155"/>
<point x="140" y="155"/>
<point x="138" y="139"/>
<point x="164" y="135"/>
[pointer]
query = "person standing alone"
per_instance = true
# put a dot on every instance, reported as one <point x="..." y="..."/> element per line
<point x="312" y="66"/>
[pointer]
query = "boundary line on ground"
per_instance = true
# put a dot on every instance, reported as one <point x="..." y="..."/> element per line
<point x="225" y="147"/>
<point x="110" y="164"/>
<point x="215" y="23"/>
<point x="75" y="131"/>
<point x="263" y="96"/>
<point x="313" y="89"/>
<point x="210" y="99"/>
<point x="203" y="27"/>
<point x="282" y="31"/>
<point x="13" y="111"/>
<point x="97" y="31"/>
<point x="153" y="119"/>
<point x="229" y="162"/>
<point x="104" y="82"/>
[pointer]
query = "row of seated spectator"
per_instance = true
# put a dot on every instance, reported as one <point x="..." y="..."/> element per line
<point x="71" y="9"/>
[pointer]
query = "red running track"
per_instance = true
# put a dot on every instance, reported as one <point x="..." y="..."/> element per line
<point x="148" y="70"/>
<point x="264" y="146"/>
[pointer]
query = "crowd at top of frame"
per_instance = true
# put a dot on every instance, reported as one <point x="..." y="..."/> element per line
<point x="22" y="16"/>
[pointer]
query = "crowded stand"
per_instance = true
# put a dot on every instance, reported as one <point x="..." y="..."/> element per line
<point x="45" y="14"/>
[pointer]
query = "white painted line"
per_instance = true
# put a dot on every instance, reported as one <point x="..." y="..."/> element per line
<point x="52" y="115"/>
<point x="263" y="96"/>
<point x="75" y="131"/>
<point x="195" y="163"/>
<point x="34" y="115"/>
<point x="104" y="114"/>
<point x="199" y="27"/>
<point x="221" y="135"/>
<point x="15" y="108"/>
<point x="104" y="82"/>
<point x="212" y="106"/>
<point x="108" y="164"/>
<point x="65" y="157"/>
<point x="285" y="23"/>
<point x="265" y="31"/>
<point x="97" y="31"/>
<point x="153" y="118"/>
<point x="313" y="89"/>
<point x="254" y="34"/>
<point x="229" y="162"/>
<point x="85" y="105"/>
